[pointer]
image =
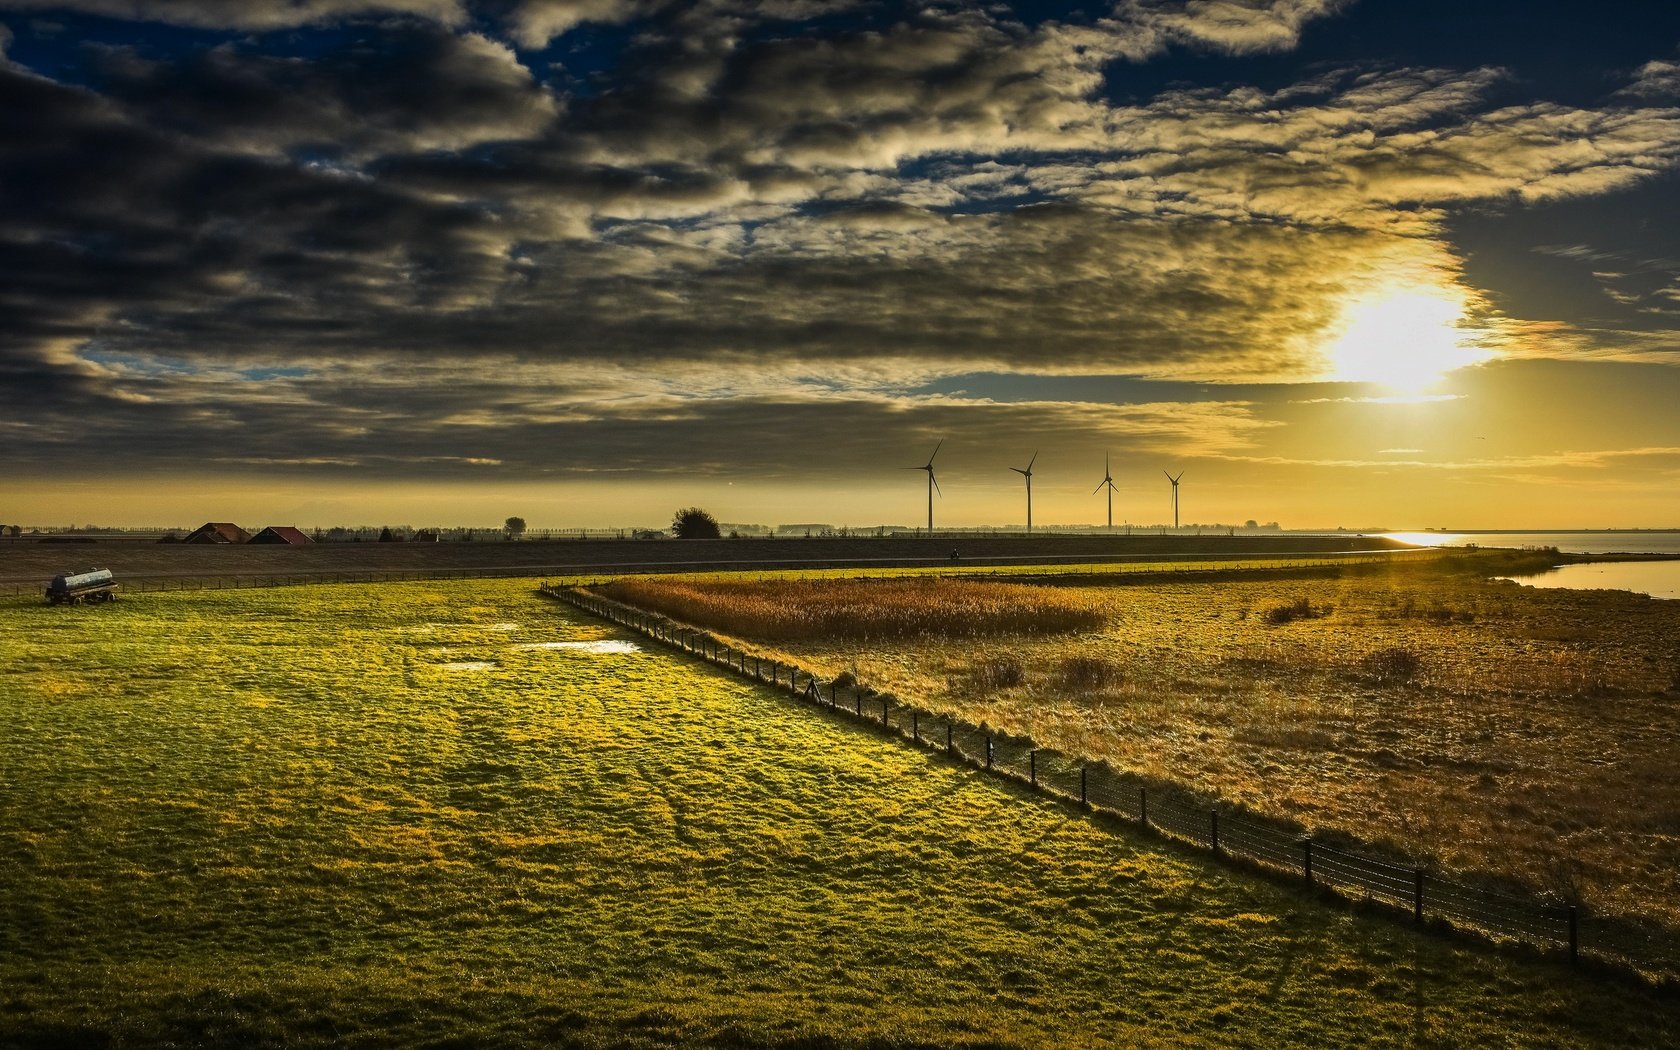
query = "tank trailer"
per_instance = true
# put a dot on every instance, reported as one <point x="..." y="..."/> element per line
<point x="74" y="588"/>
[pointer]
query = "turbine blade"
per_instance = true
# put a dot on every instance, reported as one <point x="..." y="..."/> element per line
<point x="1031" y="461"/>
<point x="935" y="481"/>
<point x="1021" y="472"/>
<point x="1099" y="487"/>
<point x="936" y="449"/>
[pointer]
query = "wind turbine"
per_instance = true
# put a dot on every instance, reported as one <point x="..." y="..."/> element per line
<point x="1027" y="473"/>
<point x="1108" y="483"/>
<point x="1175" y="496"/>
<point x="933" y="483"/>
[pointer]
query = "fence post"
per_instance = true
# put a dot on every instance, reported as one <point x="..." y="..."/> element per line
<point x="1082" y="801"/>
<point x="857" y="696"/>
<point x="884" y="723"/>
<point x="1574" y="934"/>
<point x="988" y="751"/>
<point x="1143" y="806"/>
<point x="1032" y="767"/>
<point x="833" y="695"/>
<point x="1417" y="894"/>
<point x="1306" y="858"/>
<point x="1213" y="828"/>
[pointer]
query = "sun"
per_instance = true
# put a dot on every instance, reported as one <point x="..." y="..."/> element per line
<point x="1403" y="339"/>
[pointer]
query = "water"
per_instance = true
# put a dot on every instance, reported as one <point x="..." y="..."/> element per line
<point x="1632" y="541"/>
<point x="1659" y="579"/>
<point x="605" y="645"/>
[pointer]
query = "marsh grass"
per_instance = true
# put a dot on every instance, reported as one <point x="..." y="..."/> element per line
<point x="1395" y="665"/>
<point x="1087" y="672"/>
<point x="1299" y="609"/>
<point x="843" y="609"/>
<point x="273" y="818"/>
<point x="1474" y="724"/>
<point x="996" y="672"/>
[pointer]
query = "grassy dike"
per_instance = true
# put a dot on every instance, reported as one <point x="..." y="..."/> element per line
<point x="446" y="814"/>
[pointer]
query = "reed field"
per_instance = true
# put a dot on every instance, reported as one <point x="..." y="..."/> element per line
<point x="1472" y="724"/>
<point x="832" y="607"/>
<point x="457" y="814"/>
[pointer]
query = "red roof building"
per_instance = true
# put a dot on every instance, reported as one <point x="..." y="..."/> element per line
<point x="281" y="534"/>
<point x="218" y="532"/>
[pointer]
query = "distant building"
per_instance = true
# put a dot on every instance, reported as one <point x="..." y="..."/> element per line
<point x="281" y="534"/>
<point x="805" y="529"/>
<point x="218" y="532"/>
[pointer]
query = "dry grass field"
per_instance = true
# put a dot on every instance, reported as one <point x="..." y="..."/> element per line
<point x="1475" y="724"/>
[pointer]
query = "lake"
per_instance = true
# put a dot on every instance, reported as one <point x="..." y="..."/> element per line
<point x="1625" y="541"/>
<point x="1659" y="579"/>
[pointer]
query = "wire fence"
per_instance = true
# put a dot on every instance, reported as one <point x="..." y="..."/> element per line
<point x="1429" y="897"/>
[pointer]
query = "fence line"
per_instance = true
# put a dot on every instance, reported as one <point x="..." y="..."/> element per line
<point x="1429" y="897"/>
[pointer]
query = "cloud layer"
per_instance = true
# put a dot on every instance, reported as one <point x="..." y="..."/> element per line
<point x="460" y="237"/>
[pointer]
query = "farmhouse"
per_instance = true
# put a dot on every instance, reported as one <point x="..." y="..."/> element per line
<point x="281" y="534"/>
<point x="218" y="532"/>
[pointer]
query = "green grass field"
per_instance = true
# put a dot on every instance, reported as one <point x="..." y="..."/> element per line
<point x="446" y="815"/>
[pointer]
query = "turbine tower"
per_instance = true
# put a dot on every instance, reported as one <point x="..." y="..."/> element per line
<point x="1108" y="483"/>
<point x="1175" y="496"/>
<point x="933" y="483"/>
<point x="1027" y="473"/>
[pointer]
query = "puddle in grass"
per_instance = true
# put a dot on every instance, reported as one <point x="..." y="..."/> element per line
<point x="604" y="645"/>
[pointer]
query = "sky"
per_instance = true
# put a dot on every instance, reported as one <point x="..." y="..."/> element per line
<point x="1360" y="263"/>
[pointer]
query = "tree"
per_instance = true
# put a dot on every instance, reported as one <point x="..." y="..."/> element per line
<point x="385" y="535"/>
<point x="515" y="527"/>
<point x="692" y="523"/>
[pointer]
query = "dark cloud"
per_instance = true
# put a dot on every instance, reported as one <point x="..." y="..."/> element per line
<point x="244" y="14"/>
<point x="534" y="23"/>
<point x="402" y="88"/>
<point x="1237" y="26"/>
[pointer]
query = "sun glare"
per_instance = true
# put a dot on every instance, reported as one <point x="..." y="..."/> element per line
<point x="1404" y="340"/>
